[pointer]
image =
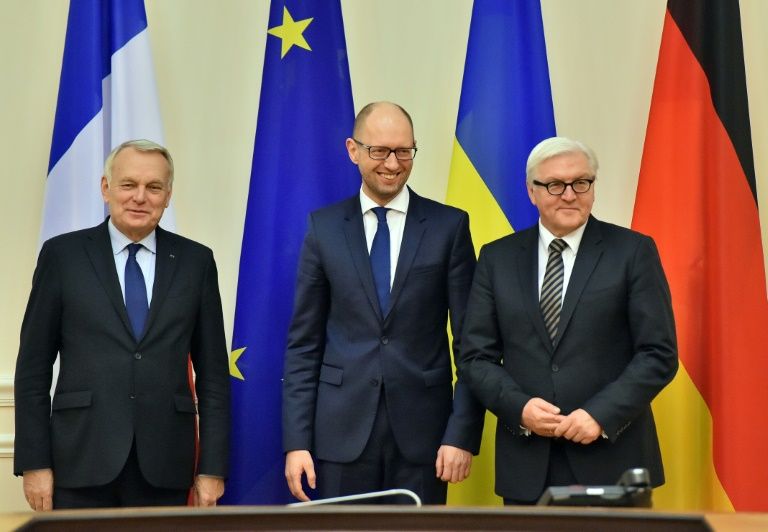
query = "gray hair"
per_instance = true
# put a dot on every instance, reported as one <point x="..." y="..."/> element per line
<point x="142" y="145"/>
<point x="554" y="146"/>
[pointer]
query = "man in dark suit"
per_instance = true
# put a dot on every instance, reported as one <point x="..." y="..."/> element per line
<point x="568" y="336"/>
<point x="368" y="402"/>
<point x="124" y="304"/>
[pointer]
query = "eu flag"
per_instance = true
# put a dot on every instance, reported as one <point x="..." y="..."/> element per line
<point x="299" y="164"/>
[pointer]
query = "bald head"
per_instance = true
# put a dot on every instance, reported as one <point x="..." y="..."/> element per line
<point x="379" y="108"/>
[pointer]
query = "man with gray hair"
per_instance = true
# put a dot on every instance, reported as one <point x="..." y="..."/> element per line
<point x="568" y="336"/>
<point x="125" y="304"/>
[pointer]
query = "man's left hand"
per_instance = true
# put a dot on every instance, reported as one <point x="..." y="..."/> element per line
<point x="207" y="490"/>
<point x="579" y="427"/>
<point x="453" y="464"/>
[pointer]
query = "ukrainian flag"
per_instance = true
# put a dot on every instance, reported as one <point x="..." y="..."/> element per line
<point x="505" y="110"/>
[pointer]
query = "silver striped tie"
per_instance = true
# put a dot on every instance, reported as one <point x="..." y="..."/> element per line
<point x="552" y="287"/>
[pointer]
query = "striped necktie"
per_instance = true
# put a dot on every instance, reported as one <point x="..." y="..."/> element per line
<point x="552" y="287"/>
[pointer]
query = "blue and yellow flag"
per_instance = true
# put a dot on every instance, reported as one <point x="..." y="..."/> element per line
<point x="505" y="110"/>
<point x="299" y="164"/>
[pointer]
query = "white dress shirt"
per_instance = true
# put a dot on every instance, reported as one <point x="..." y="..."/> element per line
<point x="145" y="256"/>
<point x="573" y="239"/>
<point x="398" y="208"/>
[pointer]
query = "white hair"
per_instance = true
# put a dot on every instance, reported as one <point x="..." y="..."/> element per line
<point x="552" y="147"/>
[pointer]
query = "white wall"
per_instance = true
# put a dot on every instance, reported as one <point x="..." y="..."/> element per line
<point x="209" y="58"/>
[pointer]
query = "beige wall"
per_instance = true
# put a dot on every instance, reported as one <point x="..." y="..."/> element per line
<point x="209" y="57"/>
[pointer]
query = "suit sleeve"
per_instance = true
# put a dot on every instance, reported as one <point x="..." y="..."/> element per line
<point x="465" y="426"/>
<point x="306" y="345"/>
<point x="209" y="357"/>
<point x="652" y="329"/>
<point x="482" y="350"/>
<point x="39" y="345"/>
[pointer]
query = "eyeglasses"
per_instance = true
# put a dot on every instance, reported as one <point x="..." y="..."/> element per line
<point x="380" y="153"/>
<point x="557" y="188"/>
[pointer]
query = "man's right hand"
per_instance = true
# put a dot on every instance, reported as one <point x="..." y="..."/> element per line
<point x="298" y="463"/>
<point x="38" y="489"/>
<point x="541" y="417"/>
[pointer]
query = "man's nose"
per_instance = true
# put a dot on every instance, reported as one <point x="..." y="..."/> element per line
<point x="568" y="194"/>
<point x="391" y="161"/>
<point x="141" y="194"/>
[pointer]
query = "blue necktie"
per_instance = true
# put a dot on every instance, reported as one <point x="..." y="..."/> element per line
<point x="380" y="259"/>
<point x="135" y="292"/>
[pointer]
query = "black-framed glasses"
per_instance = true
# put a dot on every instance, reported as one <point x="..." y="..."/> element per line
<point x="380" y="153"/>
<point x="557" y="188"/>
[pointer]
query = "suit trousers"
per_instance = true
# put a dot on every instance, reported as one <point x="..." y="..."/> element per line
<point x="559" y="472"/>
<point x="128" y="489"/>
<point x="381" y="466"/>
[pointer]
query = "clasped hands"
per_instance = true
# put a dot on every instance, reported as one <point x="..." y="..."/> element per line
<point x="543" y="418"/>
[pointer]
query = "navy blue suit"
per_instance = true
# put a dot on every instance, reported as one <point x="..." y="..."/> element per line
<point x="343" y="354"/>
<point x="615" y="350"/>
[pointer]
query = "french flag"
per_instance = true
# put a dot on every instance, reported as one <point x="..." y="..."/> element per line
<point x="107" y="95"/>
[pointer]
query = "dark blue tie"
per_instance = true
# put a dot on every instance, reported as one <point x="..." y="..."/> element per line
<point x="135" y="292"/>
<point x="380" y="259"/>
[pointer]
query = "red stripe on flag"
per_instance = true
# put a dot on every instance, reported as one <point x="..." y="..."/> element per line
<point x="191" y="380"/>
<point x="694" y="199"/>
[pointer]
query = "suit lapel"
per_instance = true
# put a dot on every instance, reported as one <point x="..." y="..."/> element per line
<point x="415" y="226"/>
<point x="165" y="268"/>
<point x="529" y="283"/>
<point x="354" y="232"/>
<point x="590" y="251"/>
<point x="98" y="246"/>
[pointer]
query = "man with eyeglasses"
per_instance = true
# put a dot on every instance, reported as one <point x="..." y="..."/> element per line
<point x="569" y="335"/>
<point x="368" y="401"/>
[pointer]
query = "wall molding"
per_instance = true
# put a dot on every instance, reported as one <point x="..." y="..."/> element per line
<point x="6" y="401"/>
<point x="6" y="391"/>
<point x="6" y="445"/>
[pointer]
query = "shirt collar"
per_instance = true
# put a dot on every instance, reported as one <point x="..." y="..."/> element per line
<point x="573" y="239"/>
<point x="399" y="203"/>
<point x="119" y="240"/>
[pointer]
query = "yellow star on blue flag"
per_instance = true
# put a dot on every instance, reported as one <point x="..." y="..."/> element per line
<point x="233" y="358"/>
<point x="291" y="32"/>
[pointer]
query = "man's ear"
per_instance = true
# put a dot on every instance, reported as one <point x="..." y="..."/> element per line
<point x="529" y="187"/>
<point x="352" y="150"/>
<point x="104" y="189"/>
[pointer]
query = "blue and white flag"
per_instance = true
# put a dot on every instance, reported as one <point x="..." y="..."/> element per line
<point x="107" y="95"/>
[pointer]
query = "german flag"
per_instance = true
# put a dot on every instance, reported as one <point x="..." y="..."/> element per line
<point x="696" y="196"/>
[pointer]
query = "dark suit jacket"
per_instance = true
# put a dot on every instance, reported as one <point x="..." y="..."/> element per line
<point x="342" y="353"/>
<point x="111" y="388"/>
<point x="615" y="350"/>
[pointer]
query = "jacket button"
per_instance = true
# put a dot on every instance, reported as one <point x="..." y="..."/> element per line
<point x="137" y="356"/>
<point x="555" y="368"/>
<point x="384" y="340"/>
<point x="132" y="396"/>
